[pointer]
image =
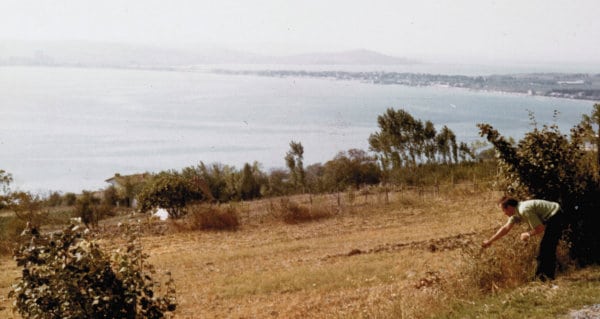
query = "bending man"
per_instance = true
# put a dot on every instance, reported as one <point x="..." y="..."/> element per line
<point x="543" y="217"/>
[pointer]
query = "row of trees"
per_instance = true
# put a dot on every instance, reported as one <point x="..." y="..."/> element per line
<point x="406" y="141"/>
<point x="402" y="144"/>
<point x="174" y="190"/>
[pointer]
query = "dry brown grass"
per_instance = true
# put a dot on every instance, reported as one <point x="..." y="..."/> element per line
<point x="368" y="260"/>
<point x="212" y="217"/>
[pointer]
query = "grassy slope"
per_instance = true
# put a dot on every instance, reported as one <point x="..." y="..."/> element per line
<point x="370" y="260"/>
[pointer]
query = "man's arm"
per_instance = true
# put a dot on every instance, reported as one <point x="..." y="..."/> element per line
<point x="499" y="234"/>
<point x="537" y="230"/>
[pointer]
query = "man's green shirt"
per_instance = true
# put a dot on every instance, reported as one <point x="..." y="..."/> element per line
<point x="535" y="211"/>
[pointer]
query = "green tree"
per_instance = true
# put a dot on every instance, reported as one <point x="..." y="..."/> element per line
<point x="249" y="186"/>
<point x="54" y="199"/>
<point x="5" y="180"/>
<point x="168" y="190"/>
<point x="277" y="182"/>
<point x="87" y="207"/>
<point x="591" y="136"/>
<point x="465" y="153"/>
<point x="430" y="148"/>
<point x="352" y="168"/>
<point x="294" y="161"/>
<point x="215" y="176"/>
<point x="446" y="145"/>
<point x="28" y="207"/>
<point x="69" y="199"/>
<point x="315" y="178"/>
<point x="110" y="196"/>
<point x="399" y="138"/>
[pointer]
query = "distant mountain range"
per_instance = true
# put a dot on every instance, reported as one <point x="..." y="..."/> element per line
<point x="362" y="57"/>
<point x="127" y="55"/>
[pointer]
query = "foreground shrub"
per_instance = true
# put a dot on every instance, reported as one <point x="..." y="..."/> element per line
<point x="67" y="275"/>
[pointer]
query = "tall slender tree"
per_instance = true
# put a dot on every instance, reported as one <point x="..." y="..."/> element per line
<point x="430" y="147"/>
<point x="294" y="161"/>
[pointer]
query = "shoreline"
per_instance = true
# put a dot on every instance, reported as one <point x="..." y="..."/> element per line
<point x="452" y="81"/>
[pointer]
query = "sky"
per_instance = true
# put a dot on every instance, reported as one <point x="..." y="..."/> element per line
<point x="467" y="30"/>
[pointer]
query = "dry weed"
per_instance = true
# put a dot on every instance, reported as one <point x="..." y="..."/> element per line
<point x="293" y="213"/>
<point x="213" y="218"/>
<point x="507" y="264"/>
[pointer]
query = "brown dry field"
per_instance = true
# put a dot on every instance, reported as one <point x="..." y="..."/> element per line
<point x="371" y="259"/>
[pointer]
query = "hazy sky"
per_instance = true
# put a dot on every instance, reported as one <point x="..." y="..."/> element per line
<point x="507" y="30"/>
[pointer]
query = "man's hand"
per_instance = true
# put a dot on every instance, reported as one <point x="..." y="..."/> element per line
<point x="525" y="236"/>
<point x="486" y="243"/>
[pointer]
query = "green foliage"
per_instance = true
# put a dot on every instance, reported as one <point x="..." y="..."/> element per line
<point x="353" y="168"/>
<point x="588" y="135"/>
<point x="53" y="200"/>
<point x="294" y="161"/>
<point x="403" y="141"/>
<point x="433" y="174"/>
<point x="216" y="181"/>
<point x="277" y="184"/>
<point x="110" y="196"/>
<point x="28" y="207"/>
<point x="5" y="180"/>
<point x="546" y="164"/>
<point x="168" y="190"/>
<point x="249" y="185"/>
<point x="69" y="199"/>
<point x="67" y="275"/>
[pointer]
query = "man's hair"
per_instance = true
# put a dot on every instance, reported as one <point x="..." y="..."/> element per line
<point x="506" y="201"/>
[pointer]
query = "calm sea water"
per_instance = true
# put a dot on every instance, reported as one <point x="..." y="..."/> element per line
<point x="70" y="129"/>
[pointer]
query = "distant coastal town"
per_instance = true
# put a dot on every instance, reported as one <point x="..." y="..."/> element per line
<point x="579" y="86"/>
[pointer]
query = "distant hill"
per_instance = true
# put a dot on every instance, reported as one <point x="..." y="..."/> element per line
<point x="359" y="57"/>
<point x="129" y="55"/>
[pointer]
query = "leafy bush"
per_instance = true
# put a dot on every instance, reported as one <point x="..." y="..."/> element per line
<point x="28" y="207"/>
<point x="66" y="275"/>
<point x="546" y="164"/>
<point x="168" y="190"/>
<point x="69" y="199"/>
<point x="54" y="199"/>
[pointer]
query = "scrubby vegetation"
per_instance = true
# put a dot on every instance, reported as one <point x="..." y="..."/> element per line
<point x="546" y="164"/>
<point x="390" y="234"/>
<point x="67" y="275"/>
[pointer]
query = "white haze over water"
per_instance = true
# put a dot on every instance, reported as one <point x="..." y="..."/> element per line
<point x="69" y="129"/>
<point x="462" y="31"/>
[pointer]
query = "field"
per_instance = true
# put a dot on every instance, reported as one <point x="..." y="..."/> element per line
<point x="371" y="259"/>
